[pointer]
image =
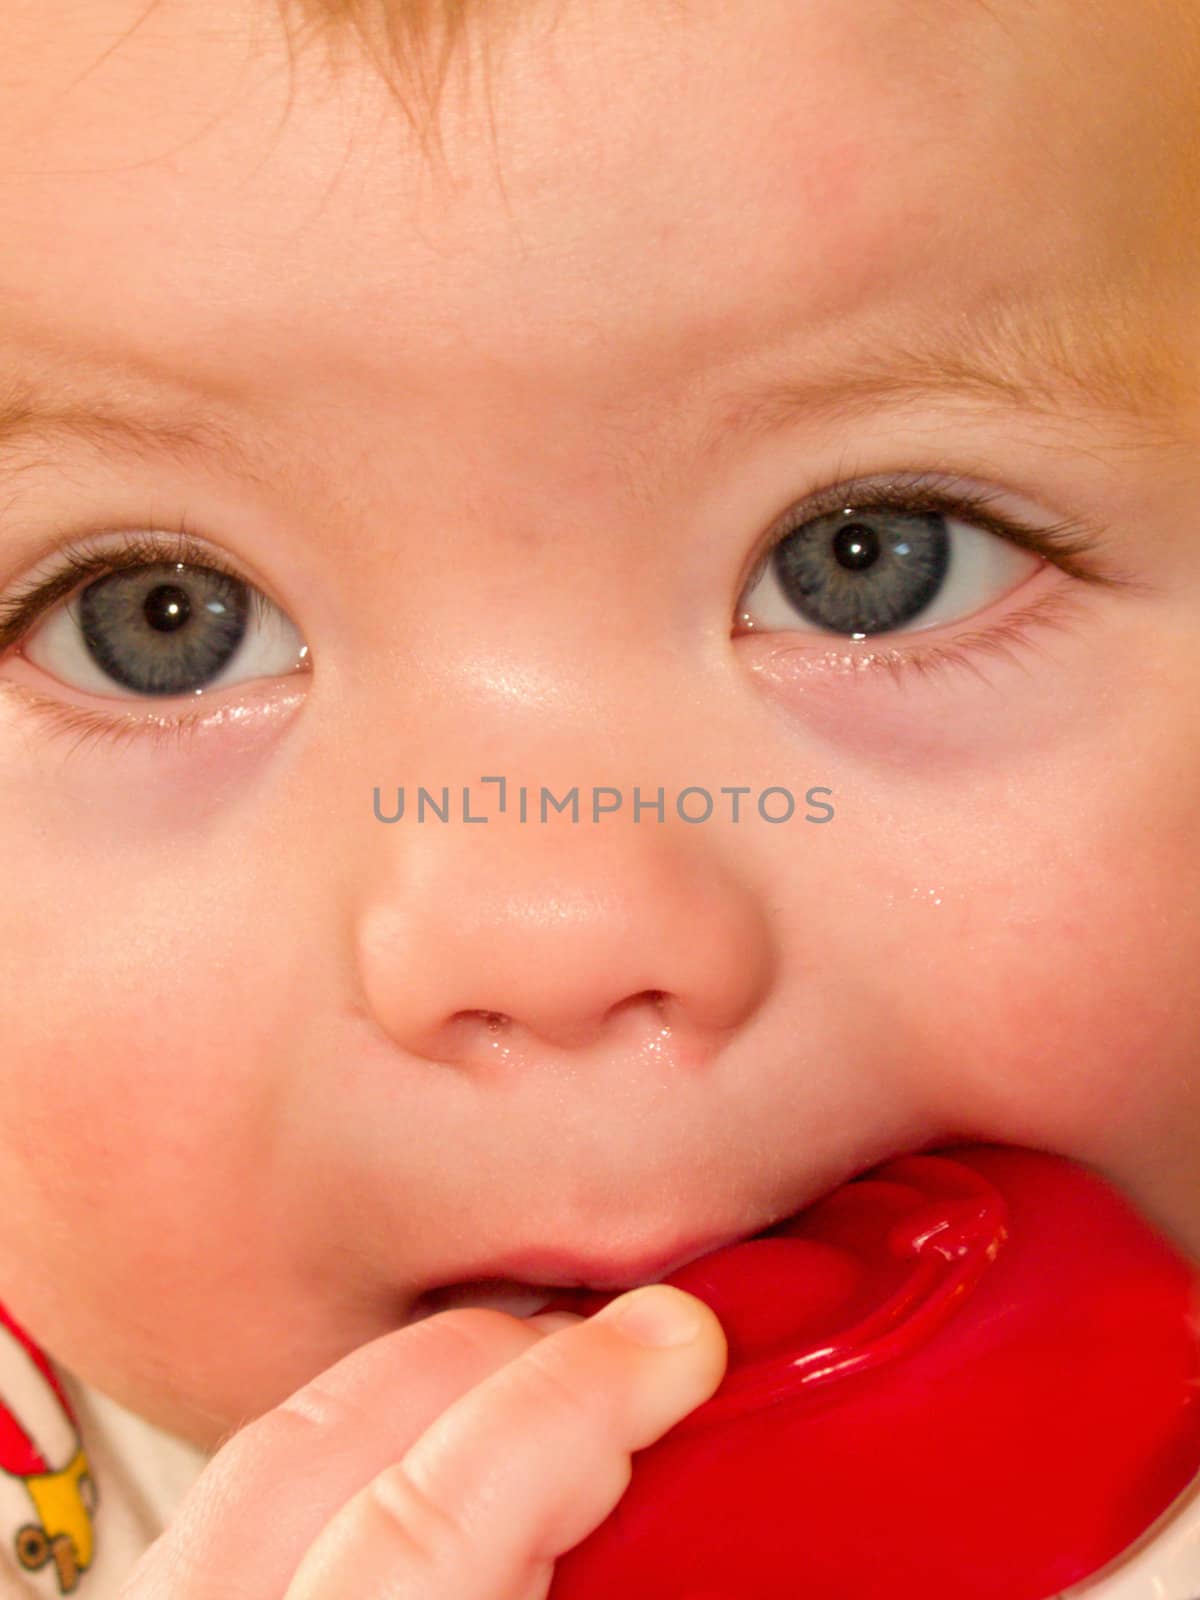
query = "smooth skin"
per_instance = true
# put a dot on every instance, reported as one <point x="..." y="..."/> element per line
<point x="482" y="427"/>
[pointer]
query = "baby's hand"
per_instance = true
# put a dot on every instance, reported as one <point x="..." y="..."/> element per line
<point x="455" y="1459"/>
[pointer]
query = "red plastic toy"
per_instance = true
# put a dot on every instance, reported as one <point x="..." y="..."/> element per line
<point x="970" y="1375"/>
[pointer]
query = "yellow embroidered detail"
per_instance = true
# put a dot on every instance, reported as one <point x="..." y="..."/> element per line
<point x="63" y="1533"/>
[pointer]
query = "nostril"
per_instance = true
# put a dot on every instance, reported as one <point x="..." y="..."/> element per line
<point x="494" y="1021"/>
<point x="645" y="997"/>
<point x="655" y="999"/>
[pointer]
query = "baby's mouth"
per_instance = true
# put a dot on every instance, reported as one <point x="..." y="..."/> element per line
<point x="566" y="1284"/>
<point x="531" y="1279"/>
<point x="491" y="1294"/>
<point x="525" y="1285"/>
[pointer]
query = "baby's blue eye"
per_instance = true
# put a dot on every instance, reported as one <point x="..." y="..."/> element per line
<point x="165" y="629"/>
<point x="864" y="572"/>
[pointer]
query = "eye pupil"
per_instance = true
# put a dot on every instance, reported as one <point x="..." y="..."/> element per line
<point x="167" y="608"/>
<point x="856" y="546"/>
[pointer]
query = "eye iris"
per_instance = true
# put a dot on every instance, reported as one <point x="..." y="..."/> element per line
<point x="863" y="571"/>
<point x="153" y="637"/>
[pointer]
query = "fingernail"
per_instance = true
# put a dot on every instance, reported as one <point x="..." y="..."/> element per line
<point x="658" y="1316"/>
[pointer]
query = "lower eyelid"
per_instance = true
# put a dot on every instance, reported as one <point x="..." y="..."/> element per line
<point x="792" y="659"/>
<point x="258" y="702"/>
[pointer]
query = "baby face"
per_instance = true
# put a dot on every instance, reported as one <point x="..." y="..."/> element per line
<point x="796" y="404"/>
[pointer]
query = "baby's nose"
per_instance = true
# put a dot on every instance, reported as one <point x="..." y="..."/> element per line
<point x="565" y="941"/>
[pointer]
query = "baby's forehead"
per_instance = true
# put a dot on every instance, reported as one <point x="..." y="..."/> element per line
<point x="619" y="186"/>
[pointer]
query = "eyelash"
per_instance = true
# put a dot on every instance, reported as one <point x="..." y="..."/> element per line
<point x="1063" y="543"/>
<point x="77" y="565"/>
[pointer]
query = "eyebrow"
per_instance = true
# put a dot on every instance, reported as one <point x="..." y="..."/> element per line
<point x="39" y="414"/>
<point x="1112" y="362"/>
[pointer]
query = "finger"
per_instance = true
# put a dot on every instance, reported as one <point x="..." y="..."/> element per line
<point x="244" y="1527"/>
<point x="521" y="1468"/>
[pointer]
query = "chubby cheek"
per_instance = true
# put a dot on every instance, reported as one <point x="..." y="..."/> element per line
<point x="1042" y="989"/>
<point x="1067" y="1010"/>
<point x="136" y="1169"/>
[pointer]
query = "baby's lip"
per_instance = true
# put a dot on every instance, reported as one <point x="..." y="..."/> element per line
<point x="523" y="1282"/>
<point x="555" y="1269"/>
